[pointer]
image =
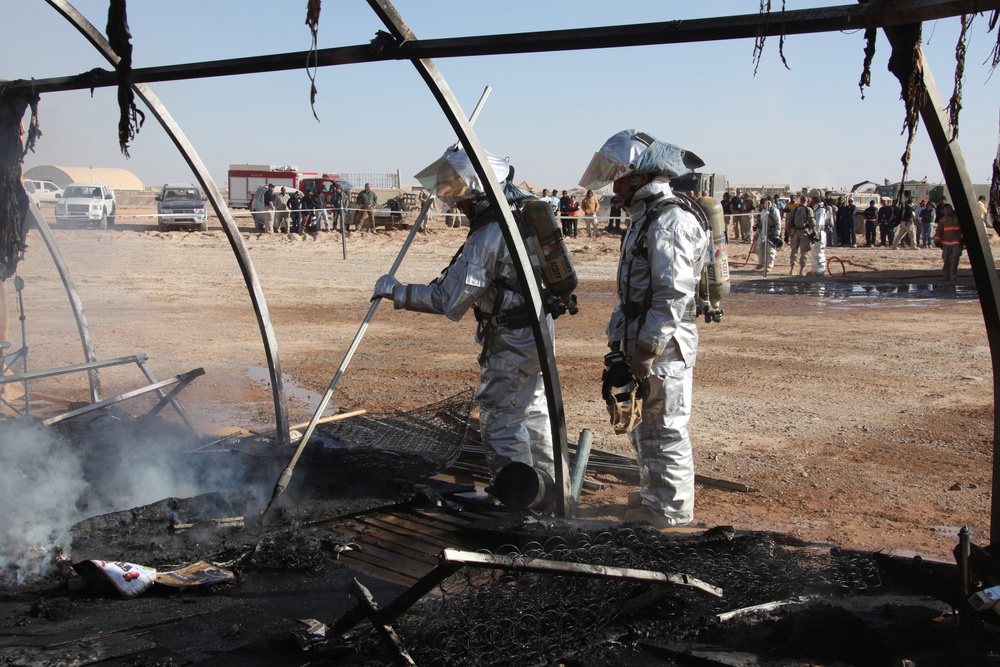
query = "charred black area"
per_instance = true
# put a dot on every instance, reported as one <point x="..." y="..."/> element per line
<point x="362" y="508"/>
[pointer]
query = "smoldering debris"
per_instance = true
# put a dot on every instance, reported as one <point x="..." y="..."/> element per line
<point x="108" y="462"/>
<point x="41" y="478"/>
<point x="51" y="478"/>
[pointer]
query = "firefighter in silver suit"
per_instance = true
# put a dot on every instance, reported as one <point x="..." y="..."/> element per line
<point x="653" y="323"/>
<point x="513" y="419"/>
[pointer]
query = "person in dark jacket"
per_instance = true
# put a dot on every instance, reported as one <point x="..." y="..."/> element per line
<point x="871" y="223"/>
<point x="845" y="224"/>
<point x="886" y="224"/>
<point x="295" y="213"/>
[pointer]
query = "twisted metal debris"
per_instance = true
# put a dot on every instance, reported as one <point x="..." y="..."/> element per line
<point x="487" y="617"/>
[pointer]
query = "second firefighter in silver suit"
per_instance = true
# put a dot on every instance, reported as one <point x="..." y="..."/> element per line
<point x="653" y="323"/>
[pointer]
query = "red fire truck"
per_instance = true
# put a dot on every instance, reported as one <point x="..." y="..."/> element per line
<point x="244" y="179"/>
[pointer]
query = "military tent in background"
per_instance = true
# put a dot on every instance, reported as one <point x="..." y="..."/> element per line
<point x="116" y="179"/>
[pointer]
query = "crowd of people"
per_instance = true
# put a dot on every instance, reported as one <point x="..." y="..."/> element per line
<point x="311" y="212"/>
<point x="820" y="222"/>
<point x="810" y="225"/>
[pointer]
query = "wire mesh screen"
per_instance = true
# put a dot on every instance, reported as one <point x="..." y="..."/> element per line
<point x="491" y="617"/>
<point x="424" y="440"/>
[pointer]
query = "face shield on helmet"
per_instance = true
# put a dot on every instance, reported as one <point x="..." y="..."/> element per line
<point x="635" y="152"/>
<point x="453" y="178"/>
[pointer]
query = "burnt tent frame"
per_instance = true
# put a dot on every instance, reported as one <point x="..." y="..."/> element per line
<point x="895" y="18"/>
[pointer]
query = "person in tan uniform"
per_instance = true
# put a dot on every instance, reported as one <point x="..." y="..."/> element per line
<point x="589" y="206"/>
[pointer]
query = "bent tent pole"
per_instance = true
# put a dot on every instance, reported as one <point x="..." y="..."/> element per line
<point x="218" y="204"/>
<point x="956" y="176"/>
<point x="286" y="475"/>
<point x="75" y="302"/>
<point x="544" y="342"/>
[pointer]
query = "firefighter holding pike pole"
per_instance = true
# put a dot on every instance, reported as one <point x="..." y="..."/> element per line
<point x="514" y="419"/>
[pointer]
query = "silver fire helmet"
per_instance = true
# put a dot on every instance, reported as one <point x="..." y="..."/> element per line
<point x="635" y="152"/>
<point x="453" y="178"/>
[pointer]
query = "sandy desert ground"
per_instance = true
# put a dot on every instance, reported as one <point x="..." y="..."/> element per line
<point x="857" y="407"/>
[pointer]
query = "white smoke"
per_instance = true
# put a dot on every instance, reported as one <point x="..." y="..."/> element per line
<point x="40" y="481"/>
<point x="48" y="485"/>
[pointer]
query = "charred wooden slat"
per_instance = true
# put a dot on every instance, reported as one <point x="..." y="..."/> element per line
<point x="400" y="568"/>
<point x="381" y="569"/>
<point x="376" y="544"/>
<point x="408" y="533"/>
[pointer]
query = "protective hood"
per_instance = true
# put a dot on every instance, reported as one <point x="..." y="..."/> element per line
<point x="452" y="177"/>
<point x="635" y="152"/>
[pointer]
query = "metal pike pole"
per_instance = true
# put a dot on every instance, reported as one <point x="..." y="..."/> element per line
<point x="286" y="474"/>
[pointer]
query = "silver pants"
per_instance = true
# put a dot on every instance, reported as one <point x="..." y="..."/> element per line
<point x="514" y="418"/>
<point x="662" y="444"/>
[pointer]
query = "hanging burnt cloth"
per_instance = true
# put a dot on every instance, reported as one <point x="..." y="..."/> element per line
<point x="13" y="198"/>
<point x="119" y="37"/>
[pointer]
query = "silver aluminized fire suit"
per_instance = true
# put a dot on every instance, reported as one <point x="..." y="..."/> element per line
<point x="823" y="222"/>
<point x="767" y="226"/>
<point x="658" y="274"/>
<point x="513" y="412"/>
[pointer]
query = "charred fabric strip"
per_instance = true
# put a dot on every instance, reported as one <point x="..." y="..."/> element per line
<point x="763" y="31"/>
<point x="904" y="64"/>
<point x="955" y="103"/>
<point x="13" y="199"/>
<point x="312" y="61"/>
<point x="866" y="70"/>
<point x="119" y="36"/>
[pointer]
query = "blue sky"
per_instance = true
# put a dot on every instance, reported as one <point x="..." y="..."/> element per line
<point x="547" y="112"/>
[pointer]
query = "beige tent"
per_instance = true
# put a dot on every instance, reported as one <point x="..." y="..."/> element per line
<point x="531" y="187"/>
<point x="116" y="179"/>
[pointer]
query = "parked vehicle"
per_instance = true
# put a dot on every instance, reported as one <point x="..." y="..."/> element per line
<point x="181" y="205"/>
<point x="714" y="184"/>
<point x="86" y="202"/>
<point x="42" y="192"/>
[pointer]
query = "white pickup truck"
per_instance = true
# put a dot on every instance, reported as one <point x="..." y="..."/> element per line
<point x="86" y="202"/>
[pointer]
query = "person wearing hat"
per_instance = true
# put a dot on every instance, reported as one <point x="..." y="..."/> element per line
<point x="513" y="410"/>
<point x="653" y="323"/>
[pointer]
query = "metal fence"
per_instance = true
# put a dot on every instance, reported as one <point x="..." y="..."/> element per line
<point x="377" y="180"/>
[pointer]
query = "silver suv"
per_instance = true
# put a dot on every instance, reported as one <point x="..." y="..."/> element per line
<point x="181" y="205"/>
<point x="86" y="202"/>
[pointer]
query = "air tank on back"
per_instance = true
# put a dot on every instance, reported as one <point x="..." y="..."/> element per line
<point x="551" y="252"/>
<point x="715" y="278"/>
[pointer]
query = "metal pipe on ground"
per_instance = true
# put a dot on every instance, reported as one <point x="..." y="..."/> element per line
<point x="579" y="468"/>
